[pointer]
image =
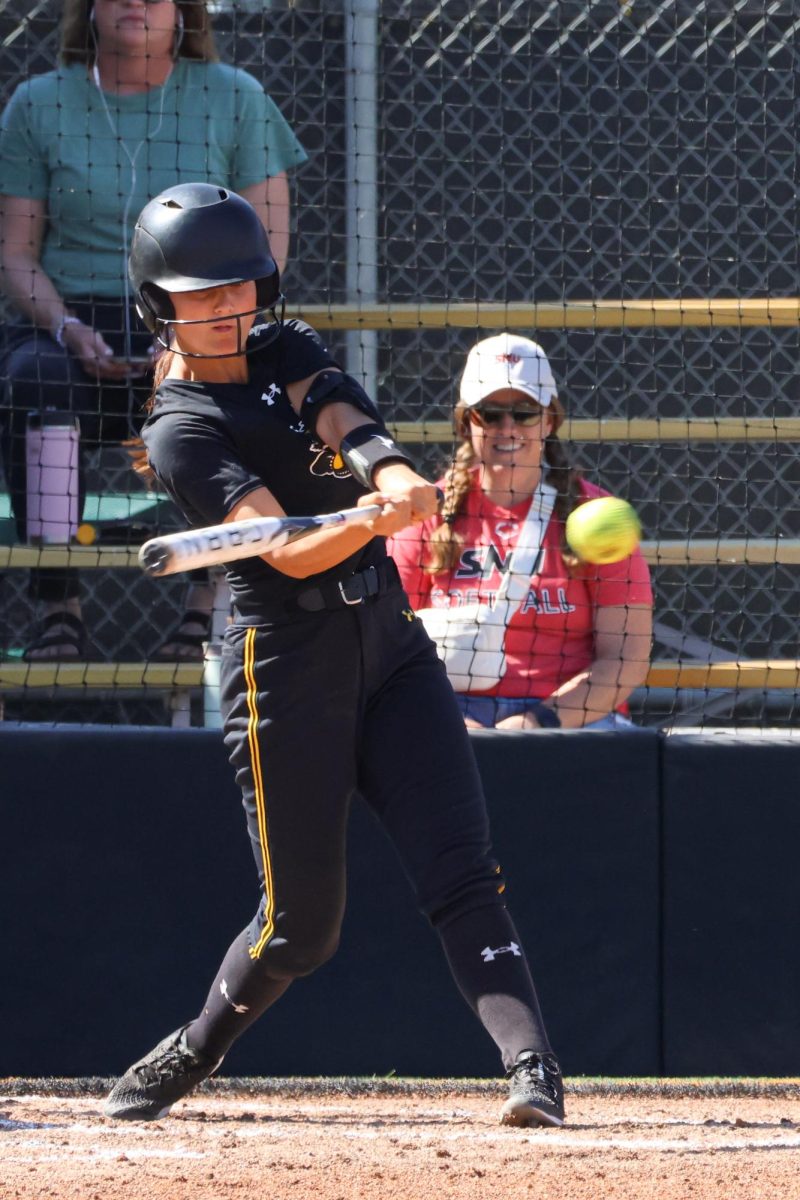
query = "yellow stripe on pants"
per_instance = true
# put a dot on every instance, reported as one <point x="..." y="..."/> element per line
<point x="258" y="787"/>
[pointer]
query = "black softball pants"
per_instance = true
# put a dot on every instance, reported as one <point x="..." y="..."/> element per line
<point x="350" y="700"/>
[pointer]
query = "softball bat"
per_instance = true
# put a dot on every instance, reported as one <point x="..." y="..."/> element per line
<point x="217" y="544"/>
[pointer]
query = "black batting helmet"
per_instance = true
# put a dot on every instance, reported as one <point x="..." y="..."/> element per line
<point x="194" y="236"/>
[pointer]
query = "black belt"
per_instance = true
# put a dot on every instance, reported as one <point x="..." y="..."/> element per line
<point x="355" y="589"/>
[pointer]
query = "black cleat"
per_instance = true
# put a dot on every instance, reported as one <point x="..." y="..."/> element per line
<point x="536" y="1091"/>
<point x="151" y="1086"/>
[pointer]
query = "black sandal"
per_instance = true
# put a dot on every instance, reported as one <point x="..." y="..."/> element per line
<point x="194" y="642"/>
<point x="58" y="629"/>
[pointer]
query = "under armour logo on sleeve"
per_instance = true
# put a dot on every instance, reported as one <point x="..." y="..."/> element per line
<point x="489" y="955"/>
<point x="239" y="1008"/>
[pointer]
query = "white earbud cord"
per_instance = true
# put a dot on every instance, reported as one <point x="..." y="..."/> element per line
<point x="131" y="157"/>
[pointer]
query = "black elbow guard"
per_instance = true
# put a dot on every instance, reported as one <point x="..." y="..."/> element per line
<point x="366" y="448"/>
<point x="334" y="387"/>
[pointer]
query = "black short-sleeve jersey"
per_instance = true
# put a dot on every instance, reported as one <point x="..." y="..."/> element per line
<point x="210" y="444"/>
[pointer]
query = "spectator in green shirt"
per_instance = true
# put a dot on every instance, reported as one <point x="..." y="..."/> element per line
<point x="138" y="102"/>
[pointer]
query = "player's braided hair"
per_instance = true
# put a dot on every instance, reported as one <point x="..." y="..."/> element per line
<point x="160" y="372"/>
<point x="135" y="447"/>
<point x="446" y="543"/>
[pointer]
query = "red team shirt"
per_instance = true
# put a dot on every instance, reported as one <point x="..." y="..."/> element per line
<point x="550" y="638"/>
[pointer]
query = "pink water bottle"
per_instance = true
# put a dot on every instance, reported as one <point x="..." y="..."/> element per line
<point x="51" y="456"/>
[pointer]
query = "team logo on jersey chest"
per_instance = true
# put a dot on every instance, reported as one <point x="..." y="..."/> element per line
<point x="327" y="462"/>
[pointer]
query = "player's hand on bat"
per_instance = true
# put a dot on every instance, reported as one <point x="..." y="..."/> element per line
<point x="400" y="482"/>
<point x="395" y="513"/>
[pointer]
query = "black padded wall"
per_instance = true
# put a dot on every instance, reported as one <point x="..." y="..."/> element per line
<point x="125" y="871"/>
<point x="731" y="905"/>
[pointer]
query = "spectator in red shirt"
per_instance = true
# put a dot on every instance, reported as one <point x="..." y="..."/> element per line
<point x="574" y="638"/>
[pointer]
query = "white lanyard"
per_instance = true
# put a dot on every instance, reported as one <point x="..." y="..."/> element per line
<point x="525" y="555"/>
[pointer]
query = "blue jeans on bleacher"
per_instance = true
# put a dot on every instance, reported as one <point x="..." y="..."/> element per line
<point x="37" y="374"/>
<point x="488" y="710"/>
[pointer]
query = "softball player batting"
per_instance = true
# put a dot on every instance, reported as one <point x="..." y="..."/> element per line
<point x="325" y="670"/>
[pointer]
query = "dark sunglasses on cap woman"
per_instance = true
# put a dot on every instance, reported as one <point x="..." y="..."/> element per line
<point x="487" y="414"/>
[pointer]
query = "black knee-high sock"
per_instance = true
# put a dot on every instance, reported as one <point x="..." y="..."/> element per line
<point x="241" y="992"/>
<point x="490" y="968"/>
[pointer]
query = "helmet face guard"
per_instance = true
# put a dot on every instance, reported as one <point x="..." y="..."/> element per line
<point x="161" y="323"/>
<point x="196" y="236"/>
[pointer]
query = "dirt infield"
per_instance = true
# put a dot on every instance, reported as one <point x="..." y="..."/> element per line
<point x="341" y="1140"/>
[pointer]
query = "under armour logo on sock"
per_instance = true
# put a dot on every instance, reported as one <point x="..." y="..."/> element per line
<point x="489" y="955"/>
<point x="239" y="1008"/>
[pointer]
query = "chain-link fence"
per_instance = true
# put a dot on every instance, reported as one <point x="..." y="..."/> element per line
<point x="547" y="151"/>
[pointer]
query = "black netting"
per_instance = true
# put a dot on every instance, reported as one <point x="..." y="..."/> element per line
<point x="545" y="151"/>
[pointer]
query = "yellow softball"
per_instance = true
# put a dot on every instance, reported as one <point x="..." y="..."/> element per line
<point x="604" y="530"/>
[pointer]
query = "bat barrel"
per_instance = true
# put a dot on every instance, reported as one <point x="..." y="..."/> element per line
<point x="217" y="544"/>
<point x="154" y="557"/>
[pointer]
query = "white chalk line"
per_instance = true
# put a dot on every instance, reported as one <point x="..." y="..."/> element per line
<point x="276" y="1109"/>
<point x="549" y="1139"/>
<point x="14" y="1126"/>
<point x="557" y="1139"/>
<point x="100" y="1156"/>
<point x="722" y="1135"/>
<point x="639" y="1145"/>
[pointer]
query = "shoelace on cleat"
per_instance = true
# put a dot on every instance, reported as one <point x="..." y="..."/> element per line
<point x="171" y="1061"/>
<point x="533" y="1075"/>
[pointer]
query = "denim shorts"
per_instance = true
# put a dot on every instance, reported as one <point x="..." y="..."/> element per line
<point x="488" y="710"/>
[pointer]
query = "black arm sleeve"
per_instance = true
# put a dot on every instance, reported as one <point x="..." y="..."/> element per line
<point x="335" y="387"/>
<point x="303" y="354"/>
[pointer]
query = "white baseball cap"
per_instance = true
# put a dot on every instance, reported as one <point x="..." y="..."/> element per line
<point x="507" y="361"/>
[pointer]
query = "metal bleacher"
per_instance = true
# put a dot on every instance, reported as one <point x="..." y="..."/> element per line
<point x="695" y="670"/>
